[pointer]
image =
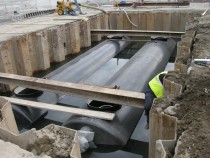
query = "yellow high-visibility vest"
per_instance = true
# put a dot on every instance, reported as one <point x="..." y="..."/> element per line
<point x="156" y="86"/>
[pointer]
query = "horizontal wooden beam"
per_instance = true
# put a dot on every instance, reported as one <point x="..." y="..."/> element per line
<point x="76" y="111"/>
<point x="78" y="90"/>
<point x="140" y="33"/>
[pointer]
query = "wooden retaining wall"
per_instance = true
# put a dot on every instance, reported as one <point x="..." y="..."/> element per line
<point x="163" y="127"/>
<point x="149" y="20"/>
<point x="24" y="51"/>
<point x="34" y="44"/>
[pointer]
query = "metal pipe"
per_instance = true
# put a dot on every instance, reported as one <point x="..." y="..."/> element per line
<point x="134" y="76"/>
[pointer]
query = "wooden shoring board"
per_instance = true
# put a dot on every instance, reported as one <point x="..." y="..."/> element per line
<point x="7" y="119"/>
<point x="77" y="90"/>
<point x="77" y="111"/>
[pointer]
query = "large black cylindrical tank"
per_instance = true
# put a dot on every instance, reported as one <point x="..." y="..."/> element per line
<point x="134" y="76"/>
<point x="74" y="71"/>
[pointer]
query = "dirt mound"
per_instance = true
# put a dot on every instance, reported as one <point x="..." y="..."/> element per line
<point x="176" y="77"/>
<point x="194" y="116"/>
<point x="9" y="150"/>
<point x="52" y="142"/>
<point x="193" y="20"/>
<point x="192" y="109"/>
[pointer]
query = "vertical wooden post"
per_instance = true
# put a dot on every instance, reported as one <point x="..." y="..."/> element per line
<point x="113" y="20"/>
<point x="85" y="37"/>
<point x="6" y="63"/>
<point x="167" y="21"/>
<point x="75" y="38"/>
<point x="183" y="19"/>
<point x="142" y="21"/>
<point x="175" y="21"/>
<point x="22" y="55"/>
<point x="7" y="119"/>
<point x="159" y="21"/>
<point x="95" y="24"/>
<point x="135" y="20"/>
<point x="120" y="20"/>
<point x="33" y="50"/>
<point x="39" y="50"/>
<point x="58" y="38"/>
<point x="43" y="51"/>
<point x="150" y="21"/>
<point x="161" y="127"/>
<point x="104" y="22"/>
<point x="184" y="51"/>
<point x="126" y="24"/>
<point x="68" y="38"/>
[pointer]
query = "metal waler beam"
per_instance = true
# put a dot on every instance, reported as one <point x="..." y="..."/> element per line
<point x="138" y="4"/>
<point x="144" y="33"/>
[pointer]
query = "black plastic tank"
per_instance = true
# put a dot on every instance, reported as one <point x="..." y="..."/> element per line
<point x="74" y="71"/>
<point x="151" y="59"/>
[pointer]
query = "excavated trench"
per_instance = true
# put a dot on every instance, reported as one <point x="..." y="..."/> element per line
<point x="137" y="136"/>
<point x="136" y="144"/>
<point x="187" y="110"/>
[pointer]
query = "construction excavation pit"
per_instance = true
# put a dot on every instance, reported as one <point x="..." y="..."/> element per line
<point x="92" y="79"/>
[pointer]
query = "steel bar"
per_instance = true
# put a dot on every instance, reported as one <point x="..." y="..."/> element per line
<point x="130" y="40"/>
<point x="135" y="4"/>
<point x="78" y="90"/>
<point x="141" y="33"/>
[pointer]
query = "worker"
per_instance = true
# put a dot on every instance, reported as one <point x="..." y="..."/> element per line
<point x="154" y="90"/>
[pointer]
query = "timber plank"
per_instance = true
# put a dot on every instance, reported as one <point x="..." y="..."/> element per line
<point x="78" y="90"/>
<point x="77" y="111"/>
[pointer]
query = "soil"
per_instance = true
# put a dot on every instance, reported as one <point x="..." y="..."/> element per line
<point x="192" y="108"/>
<point x="176" y="77"/>
<point x="193" y="20"/>
<point x="201" y="46"/>
<point x="193" y="115"/>
<point x="9" y="150"/>
<point x="193" y="112"/>
<point x="52" y="142"/>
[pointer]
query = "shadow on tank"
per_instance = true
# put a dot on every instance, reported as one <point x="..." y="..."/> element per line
<point x="26" y="116"/>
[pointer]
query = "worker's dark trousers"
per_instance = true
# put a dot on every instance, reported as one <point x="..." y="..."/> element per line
<point x="149" y="97"/>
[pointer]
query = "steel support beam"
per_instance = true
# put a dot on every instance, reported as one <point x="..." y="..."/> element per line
<point x="78" y="90"/>
<point x="138" y="4"/>
<point x="140" y="33"/>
